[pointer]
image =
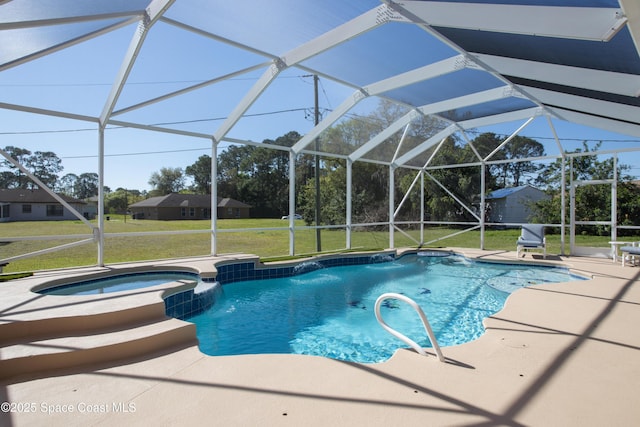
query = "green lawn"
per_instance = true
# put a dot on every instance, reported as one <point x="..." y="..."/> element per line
<point x="264" y="243"/>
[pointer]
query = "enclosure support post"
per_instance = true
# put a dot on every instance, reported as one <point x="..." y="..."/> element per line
<point x="292" y="202"/>
<point x="214" y="197"/>
<point x="421" y="207"/>
<point x="100" y="230"/>
<point x="483" y="209"/>
<point x="316" y="121"/>
<point x="348" y="201"/>
<point x="614" y="200"/>
<point x="563" y="187"/>
<point x="391" y="203"/>
<point x="563" y="202"/>
<point x="572" y="210"/>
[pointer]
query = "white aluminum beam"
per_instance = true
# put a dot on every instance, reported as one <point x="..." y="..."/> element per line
<point x="214" y="198"/>
<point x="476" y="98"/>
<point x="99" y="232"/>
<point x="467" y="100"/>
<point x="453" y="196"/>
<point x="349" y="202"/>
<point x="592" y="106"/>
<point x="345" y="32"/>
<point x="382" y="136"/>
<point x="433" y="155"/>
<point x="153" y="12"/>
<point x="335" y="115"/>
<point x="190" y="88"/>
<point x="399" y="145"/>
<point x="66" y="44"/>
<point x="435" y="139"/>
<point x="42" y="186"/>
<point x="46" y="112"/>
<point x="446" y="66"/>
<point x="427" y="72"/>
<point x="292" y="203"/>
<point x="251" y="96"/>
<point x="206" y="34"/>
<point x="69" y="19"/>
<point x="47" y="250"/>
<point x="585" y="119"/>
<point x="603" y="81"/>
<point x="631" y="10"/>
<point x="153" y="128"/>
<point x="257" y="144"/>
<point x="501" y="118"/>
<point x="506" y="141"/>
<point x="585" y="23"/>
<point x="485" y="121"/>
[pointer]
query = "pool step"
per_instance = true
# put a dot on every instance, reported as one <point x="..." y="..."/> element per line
<point x="82" y="319"/>
<point x="27" y="360"/>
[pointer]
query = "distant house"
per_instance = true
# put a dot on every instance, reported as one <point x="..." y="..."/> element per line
<point x="91" y="208"/>
<point x="36" y="205"/>
<point x="230" y="208"/>
<point x="511" y="205"/>
<point x="187" y="206"/>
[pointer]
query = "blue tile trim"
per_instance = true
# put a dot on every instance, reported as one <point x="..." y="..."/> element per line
<point x="236" y="272"/>
<point x="190" y="303"/>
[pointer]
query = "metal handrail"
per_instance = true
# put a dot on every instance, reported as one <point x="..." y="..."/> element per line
<point x="423" y="317"/>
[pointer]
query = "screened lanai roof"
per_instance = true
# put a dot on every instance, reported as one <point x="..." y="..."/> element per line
<point x="465" y="64"/>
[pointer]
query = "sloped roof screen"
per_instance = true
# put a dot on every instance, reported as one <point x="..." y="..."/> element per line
<point x="273" y="27"/>
<point x="462" y="63"/>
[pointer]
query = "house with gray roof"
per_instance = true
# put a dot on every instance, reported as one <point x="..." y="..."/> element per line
<point x="513" y="205"/>
<point x="20" y="204"/>
<point x="176" y="206"/>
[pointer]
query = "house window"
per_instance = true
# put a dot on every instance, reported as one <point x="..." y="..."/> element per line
<point x="192" y="212"/>
<point x="26" y="209"/>
<point x="183" y="212"/>
<point x="55" y="210"/>
<point x="205" y="213"/>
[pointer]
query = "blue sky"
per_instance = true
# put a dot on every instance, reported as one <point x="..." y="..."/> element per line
<point x="78" y="80"/>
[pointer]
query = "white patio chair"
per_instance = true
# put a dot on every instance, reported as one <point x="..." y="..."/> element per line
<point x="630" y="253"/>
<point x="531" y="238"/>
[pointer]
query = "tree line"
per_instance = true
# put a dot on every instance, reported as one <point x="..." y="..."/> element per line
<point x="260" y="176"/>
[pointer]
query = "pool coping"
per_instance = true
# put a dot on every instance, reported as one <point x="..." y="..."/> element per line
<point x="548" y="352"/>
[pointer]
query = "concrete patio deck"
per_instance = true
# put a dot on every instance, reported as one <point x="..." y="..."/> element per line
<point x="557" y="355"/>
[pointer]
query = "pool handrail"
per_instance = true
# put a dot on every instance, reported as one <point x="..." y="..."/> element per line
<point x="423" y="317"/>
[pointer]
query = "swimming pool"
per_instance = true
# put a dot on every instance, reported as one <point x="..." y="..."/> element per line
<point x="330" y="311"/>
<point x="122" y="282"/>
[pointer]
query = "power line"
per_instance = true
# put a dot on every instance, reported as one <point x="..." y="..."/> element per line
<point x="142" y="153"/>
<point x="324" y="91"/>
<point x="291" y="110"/>
<point x="35" y="132"/>
<point x="160" y="82"/>
<point x="353" y="116"/>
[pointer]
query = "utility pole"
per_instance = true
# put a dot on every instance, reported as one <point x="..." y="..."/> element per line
<point x="317" y="164"/>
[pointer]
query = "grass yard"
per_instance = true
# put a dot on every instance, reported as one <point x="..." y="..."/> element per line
<point x="234" y="237"/>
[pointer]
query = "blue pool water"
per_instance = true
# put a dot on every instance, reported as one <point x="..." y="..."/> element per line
<point x="125" y="282"/>
<point x="330" y="311"/>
